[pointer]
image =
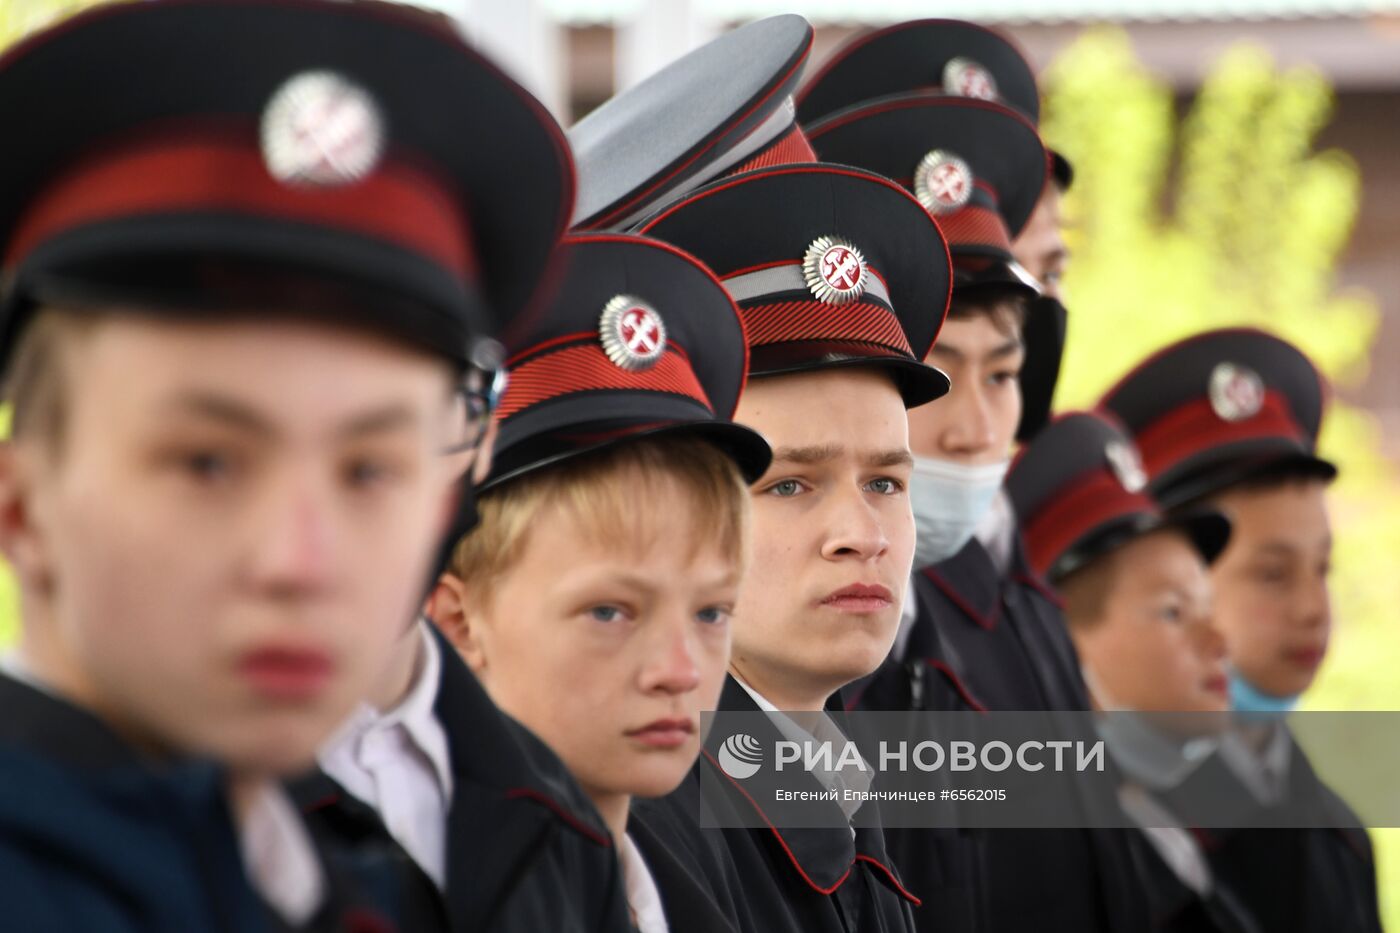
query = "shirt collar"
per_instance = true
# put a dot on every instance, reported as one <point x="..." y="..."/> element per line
<point x="643" y="896"/>
<point x="279" y="857"/>
<point x="415" y="714"/>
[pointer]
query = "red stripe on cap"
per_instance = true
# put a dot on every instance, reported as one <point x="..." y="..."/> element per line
<point x="1194" y="427"/>
<point x="187" y="173"/>
<point x="586" y="368"/>
<point x="792" y="148"/>
<point x="813" y="320"/>
<point x="974" y="225"/>
<point x="1095" y="498"/>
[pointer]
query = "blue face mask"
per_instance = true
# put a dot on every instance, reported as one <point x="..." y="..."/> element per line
<point x="949" y="501"/>
<point x="1247" y="698"/>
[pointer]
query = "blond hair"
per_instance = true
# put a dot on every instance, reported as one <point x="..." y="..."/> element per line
<point x="36" y="376"/>
<point x="643" y="492"/>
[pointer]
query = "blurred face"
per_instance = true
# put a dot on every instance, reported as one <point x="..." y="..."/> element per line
<point x="1041" y="246"/>
<point x="1271" y="593"/>
<point x="607" y="652"/>
<point x="236" y="530"/>
<point x="975" y="423"/>
<point x="833" y="534"/>
<point x="1155" y="648"/>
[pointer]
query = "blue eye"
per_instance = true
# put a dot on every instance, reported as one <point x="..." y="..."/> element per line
<point x="605" y="613"/>
<point x="713" y="615"/>
<point x="885" y="486"/>
<point x="207" y="466"/>
<point x="785" y="489"/>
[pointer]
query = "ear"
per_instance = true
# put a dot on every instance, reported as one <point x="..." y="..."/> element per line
<point x="450" y="608"/>
<point x="20" y="539"/>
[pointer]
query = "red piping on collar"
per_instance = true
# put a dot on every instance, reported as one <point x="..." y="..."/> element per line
<point x="958" y="685"/>
<point x="782" y="842"/>
<point x="947" y="590"/>
<point x="526" y="793"/>
<point x="894" y="880"/>
<point x="1041" y="587"/>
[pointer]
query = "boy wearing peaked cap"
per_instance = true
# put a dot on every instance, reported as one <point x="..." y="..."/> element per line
<point x="1230" y="419"/>
<point x="613" y="541"/>
<point x="722" y="109"/>
<point x="236" y="317"/>
<point x="1137" y="599"/>
<point x="980" y="631"/>
<point x="842" y="281"/>
<point x="959" y="59"/>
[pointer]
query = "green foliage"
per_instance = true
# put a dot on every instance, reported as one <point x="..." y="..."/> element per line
<point x="1226" y="216"/>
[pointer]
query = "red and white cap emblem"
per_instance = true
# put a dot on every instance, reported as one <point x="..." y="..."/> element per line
<point x="943" y="182"/>
<point x="632" y="333"/>
<point x="965" y="78"/>
<point x="1126" y="465"/>
<point x="1236" y="392"/>
<point x="834" y="270"/>
<point x="321" y="129"/>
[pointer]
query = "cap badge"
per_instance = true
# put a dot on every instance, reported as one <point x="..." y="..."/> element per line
<point x="632" y="333"/>
<point x="965" y="78"/>
<point x="1236" y="392"/>
<point x="1126" y="465"/>
<point x="835" y="270"/>
<point x="321" y="129"/>
<point x="942" y="182"/>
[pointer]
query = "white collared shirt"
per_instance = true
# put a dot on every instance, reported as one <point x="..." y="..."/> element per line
<point x="826" y="731"/>
<point x="398" y="763"/>
<point x="279" y="857"/>
<point x="1263" y="769"/>
<point x="643" y="896"/>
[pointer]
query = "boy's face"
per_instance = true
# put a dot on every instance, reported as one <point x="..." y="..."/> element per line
<point x="607" y="650"/>
<point x="1271" y="592"/>
<point x="975" y="423"/>
<point x="1040" y="248"/>
<point x="238" y="526"/>
<point x="833" y="532"/>
<point x="1155" y="648"/>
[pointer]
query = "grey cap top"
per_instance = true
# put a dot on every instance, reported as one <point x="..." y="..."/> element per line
<point x="689" y="122"/>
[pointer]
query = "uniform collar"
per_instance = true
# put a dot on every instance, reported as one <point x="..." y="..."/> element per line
<point x="49" y="725"/>
<point x="488" y="749"/>
<point x="414" y="714"/>
<point x="824" y="857"/>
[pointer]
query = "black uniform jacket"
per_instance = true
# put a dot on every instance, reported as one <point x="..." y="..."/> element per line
<point x="773" y="880"/>
<point x="526" y="850"/>
<point x="1294" y="880"/>
<point x="94" y="838"/>
<point x="984" y="641"/>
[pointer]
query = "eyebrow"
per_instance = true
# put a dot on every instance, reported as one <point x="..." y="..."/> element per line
<point x="236" y="415"/>
<point x="1006" y="349"/>
<point x="825" y="453"/>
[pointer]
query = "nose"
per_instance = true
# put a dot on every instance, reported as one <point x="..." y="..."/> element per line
<point x="671" y="667"/>
<point x="856" y="529"/>
<point x="292" y="556"/>
<point x="1314" y="606"/>
<point x="969" y="429"/>
<point x="1209" y="640"/>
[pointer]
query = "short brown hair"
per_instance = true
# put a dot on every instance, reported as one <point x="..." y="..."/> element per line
<point x="1085" y="591"/>
<point x="601" y="490"/>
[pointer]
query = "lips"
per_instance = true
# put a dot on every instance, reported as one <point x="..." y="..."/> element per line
<point x="860" y="598"/>
<point x="1307" y="658"/>
<point x="1217" y="684"/>
<point x="664" y="733"/>
<point x="286" y="673"/>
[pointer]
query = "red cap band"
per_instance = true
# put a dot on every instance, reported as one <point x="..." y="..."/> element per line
<point x="189" y="173"/>
<point x="817" y="321"/>
<point x="1195" y="427"/>
<point x="792" y="148"/>
<point x="584" y="367"/>
<point x="1096" y="498"/>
